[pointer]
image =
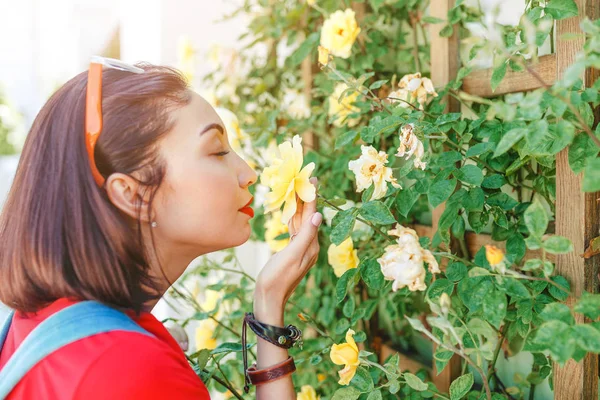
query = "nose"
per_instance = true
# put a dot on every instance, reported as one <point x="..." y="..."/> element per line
<point x="247" y="176"/>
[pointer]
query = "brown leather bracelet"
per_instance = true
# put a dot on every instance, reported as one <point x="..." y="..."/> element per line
<point x="258" y="377"/>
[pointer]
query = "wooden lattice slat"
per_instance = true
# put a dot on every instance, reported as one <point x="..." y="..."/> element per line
<point x="478" y="82"/>
<point x="578" y="218"/>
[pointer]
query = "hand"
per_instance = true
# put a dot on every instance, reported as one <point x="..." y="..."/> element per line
<point x="283" y="272"/>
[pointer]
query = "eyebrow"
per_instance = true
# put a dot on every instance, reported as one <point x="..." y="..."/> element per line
<point x="216" y="126"/>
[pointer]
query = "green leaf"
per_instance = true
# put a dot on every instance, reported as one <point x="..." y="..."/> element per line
<point x="588" y="305"/>
<point x="556" y="292"/>
<point x="342" y="223"/>
<point x="456" y="271"/>
<point x="432" y="20"/>
<point x="480" y="148"/>
<point x="474" y="200"/>
<point x="303" y="50"/>
<point x="588" y="337"/>
<point x="202" y="358"/>
<point x="514" y="288"/>
<point x="446" y="31"/>
<point x="438" y="287"/>
<point x="376" y="395"/>
<point x="227" y="347"/>
<point x="495" y="181"/>
<point x="497" y="76"/>
<point x="347" y="393"/>
<point x="415" y="382"/>
<point x="591" y="176"/>
<point x="345" y="139"/>
<point x="370" y="271"/>
<point x="341" y="326"/>
<point x="470" y="174"/>
<point x="536" y="219"/>
<point x="557" y="337"/>
<point x="362" y="380"/>
<point x="494" y="308"/>
<point x="341" y="288"/>
<point x="557" y="245"/>
<point x="377" y="212"/>
<point x="580" y="151"/>
<point x="378" y="84"/>
<point x="557" y="311"/>
<point x="405" y="200"/>
<point x="440" y="191"/>
<point x="461" y="386"/>
<point x="509" y="139"/>
<point x="561" y="9"/>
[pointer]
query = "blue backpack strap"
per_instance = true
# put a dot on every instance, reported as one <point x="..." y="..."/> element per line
<point x="73" y="323"/>
<point x="5" y="328"/>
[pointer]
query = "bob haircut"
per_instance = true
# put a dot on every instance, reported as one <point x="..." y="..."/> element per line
<point x="60" y="236"/>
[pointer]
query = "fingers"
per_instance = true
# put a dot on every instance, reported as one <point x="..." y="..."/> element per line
<point x="306" y="235"/>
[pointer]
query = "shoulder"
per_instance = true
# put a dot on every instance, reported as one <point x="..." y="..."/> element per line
<point x="136" y="365"/>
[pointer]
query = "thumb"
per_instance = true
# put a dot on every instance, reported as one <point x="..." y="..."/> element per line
<point x="307" y="233"/>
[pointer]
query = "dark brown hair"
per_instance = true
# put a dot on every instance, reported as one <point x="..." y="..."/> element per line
<point x="60" y="236"/>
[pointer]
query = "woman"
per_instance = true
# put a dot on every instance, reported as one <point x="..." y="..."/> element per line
<point x="120" y="224"/>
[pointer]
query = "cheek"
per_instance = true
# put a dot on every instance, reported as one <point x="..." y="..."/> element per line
<point x="202" y="207"/>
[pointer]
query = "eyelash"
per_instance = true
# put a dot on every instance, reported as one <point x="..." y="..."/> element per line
<point x="223" y="153"/>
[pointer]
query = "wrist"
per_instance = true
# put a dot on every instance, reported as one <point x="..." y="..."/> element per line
<point x="268" y="311"/>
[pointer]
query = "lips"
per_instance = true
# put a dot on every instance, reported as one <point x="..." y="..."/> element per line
<point x="247" y="209"/>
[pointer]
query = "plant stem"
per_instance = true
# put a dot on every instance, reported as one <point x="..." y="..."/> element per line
<point x="492" y="365"/>
<point x="231" y="389"/>
<point x="223" y="383"/>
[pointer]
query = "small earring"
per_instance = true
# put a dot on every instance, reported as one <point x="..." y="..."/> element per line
<point x="154" y="224"/>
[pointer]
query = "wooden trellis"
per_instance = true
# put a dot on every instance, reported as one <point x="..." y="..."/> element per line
<point x="577" y="213"/>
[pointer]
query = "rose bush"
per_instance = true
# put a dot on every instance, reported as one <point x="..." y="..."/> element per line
<point x="386" y="153"/>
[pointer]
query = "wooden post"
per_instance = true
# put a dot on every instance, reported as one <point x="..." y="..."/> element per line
<point x="578" y="218"/>
<point x="444" y="67"/>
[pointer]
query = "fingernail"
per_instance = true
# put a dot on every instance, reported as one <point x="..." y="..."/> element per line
<point x="316" y="219"/>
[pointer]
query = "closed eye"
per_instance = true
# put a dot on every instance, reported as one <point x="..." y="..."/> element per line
<point x="222" y="153"/>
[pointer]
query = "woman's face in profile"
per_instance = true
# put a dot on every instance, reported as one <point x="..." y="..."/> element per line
<point x="197" y="208"/>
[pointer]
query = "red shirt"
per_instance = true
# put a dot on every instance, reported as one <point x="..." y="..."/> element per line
<point x="112" y="365"/>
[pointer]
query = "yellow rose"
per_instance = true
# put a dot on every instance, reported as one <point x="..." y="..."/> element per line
<point x="370" y="169"/>
<point x="346" y="354"/>
<point x="493" y="254"/>
<point x="342" y="257"/>
<point x="339" y="33"/>
<point x="307" y="392"/>
<point x="204" y="335"/>
<point x="342" y="109"/>
<point x="287" y="178"/>
<point x="274" y="228"/>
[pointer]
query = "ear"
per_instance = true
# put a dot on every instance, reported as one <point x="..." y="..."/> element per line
<point x="128" y="195"/>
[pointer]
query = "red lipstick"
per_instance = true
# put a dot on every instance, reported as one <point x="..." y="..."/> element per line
<point x="247" y="209"/>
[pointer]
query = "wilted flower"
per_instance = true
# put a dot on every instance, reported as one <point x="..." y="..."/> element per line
<point x="410" y="145"/>
<point x="346" y="354"/>
<point x="273" y="228"/>
<point x="341" y="109"/>
<point x="342" y="257"/>
<point x="287" y="178"/>
<point x="307" y="392"/>
<point x="339" y="33"/>
<point x="445" y="303"/>
<point x="403" y="262"/>
<point x="296" y="104"/>
<point x="413" y="87"/>
<point x="370" y="169"/>
<point x="324" y="56"/>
